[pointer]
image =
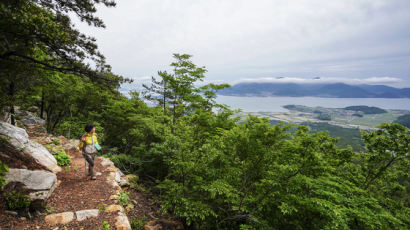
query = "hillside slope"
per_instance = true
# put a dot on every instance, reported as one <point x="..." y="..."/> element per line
<point x="338" y="90"/>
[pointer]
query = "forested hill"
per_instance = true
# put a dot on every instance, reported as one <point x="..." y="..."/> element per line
<point x="338" y="90"/>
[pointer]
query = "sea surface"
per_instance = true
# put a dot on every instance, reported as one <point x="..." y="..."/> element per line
<point x="274" y="104"/>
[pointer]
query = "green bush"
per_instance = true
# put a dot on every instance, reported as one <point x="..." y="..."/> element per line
<point x="138" y="222"/>
<point x="123" y="198"/>
<point x="56" y="141"/>
<point x="105" y="225"/>
<point x="16" y="201"/>
<point x="3" y="169"/>
<point x="62" y="158"/>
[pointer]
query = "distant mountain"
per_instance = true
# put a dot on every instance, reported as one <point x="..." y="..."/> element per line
<point x="338" y="90"/>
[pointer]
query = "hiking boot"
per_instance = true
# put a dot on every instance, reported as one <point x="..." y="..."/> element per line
<point x="93" y="178"/>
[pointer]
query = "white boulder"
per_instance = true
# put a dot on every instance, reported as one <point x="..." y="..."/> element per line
<point x="38" y="183"/>
<point x="19" y="140"/>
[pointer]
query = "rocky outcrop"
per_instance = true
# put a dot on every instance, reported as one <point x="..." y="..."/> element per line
<point x="17" y="143"/>
<point x="29" y="118"/>
<point x="37" y="184"/>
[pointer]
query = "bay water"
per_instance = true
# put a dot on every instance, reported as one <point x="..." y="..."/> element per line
<point x="274" y="104"/>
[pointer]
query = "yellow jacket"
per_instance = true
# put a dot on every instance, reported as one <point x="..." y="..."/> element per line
<point x="87" y="138"/>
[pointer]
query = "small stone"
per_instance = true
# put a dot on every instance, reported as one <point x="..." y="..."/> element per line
<point x="117" y="176"/>
<point x="59" y="218"/>
<point x="134" y="201"/>
<point x="23" y="218"/>
<point x="11" y="213"/>
<point x="56" y="228"/>
<point x="98" y="174"/>
<point x="129" y="207"/>
<point x="115" y="185"/>
<point x="122" y="223"/>
<point x="114" y="208"/>
<point x="111" y="169"/>
<point x="85" y="214"/>
<point x="163" y="224"/>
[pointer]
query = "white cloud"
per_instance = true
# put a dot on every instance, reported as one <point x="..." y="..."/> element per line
<point x="238" y="38"/>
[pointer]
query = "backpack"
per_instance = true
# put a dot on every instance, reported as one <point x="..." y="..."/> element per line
<point x="89" y="149"/>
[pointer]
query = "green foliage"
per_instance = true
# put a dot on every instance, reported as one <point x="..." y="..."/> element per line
<point x="49" y="209"/>
<point x="138" y="223"/>
<point x="3" y="169"/>
<point x="105" y="225"/>
<point x="101" y="207"/>
<point x="366" y="109"/>
<point x="347" y="136"/>
<point x="123" y="198"/>
<point x="56" y="141"/>
<point x="63" y="159"/>
<point x="256" y="174"/>
<point x="17" y="201"/>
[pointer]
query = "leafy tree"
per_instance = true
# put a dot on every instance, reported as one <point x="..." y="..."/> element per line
<point x="42" y="25"/>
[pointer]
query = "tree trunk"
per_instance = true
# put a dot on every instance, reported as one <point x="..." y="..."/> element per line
<point x="12" y="99"/>
<point x="42" y="105"/>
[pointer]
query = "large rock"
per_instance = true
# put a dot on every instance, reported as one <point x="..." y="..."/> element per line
<point x="85" y="214"/>
<point x="30" y="118"/>
<point x="59" y="218"/>
<point x="70" y="145"/>
<point x="17" y="138"/>
<point x="122" y="223"/>
<point x="114" y="208"/>
<point x="125" y="180"/>
<point x="37" y="184"/>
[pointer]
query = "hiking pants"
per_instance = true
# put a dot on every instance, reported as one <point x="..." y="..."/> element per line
<point x="90" y="159"/>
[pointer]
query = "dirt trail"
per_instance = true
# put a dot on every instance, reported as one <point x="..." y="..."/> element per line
<point x="76" y="192"/>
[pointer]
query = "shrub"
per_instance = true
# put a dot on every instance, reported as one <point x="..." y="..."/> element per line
<point x="133" y="181"/>
<point x="56" y="141"/>
<point x="138" y="222"/>
<point x="123" y="198"/>
<point x="3" y="169"/>
<point x="105" y="225"/>
<point x="62" y="158"/>
<point x="16" y="201"/>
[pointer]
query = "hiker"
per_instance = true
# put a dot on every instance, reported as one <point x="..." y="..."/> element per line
<point x="89" y="145"/>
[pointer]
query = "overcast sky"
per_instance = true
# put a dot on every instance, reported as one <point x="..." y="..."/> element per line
<point x="354" y="41"/>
